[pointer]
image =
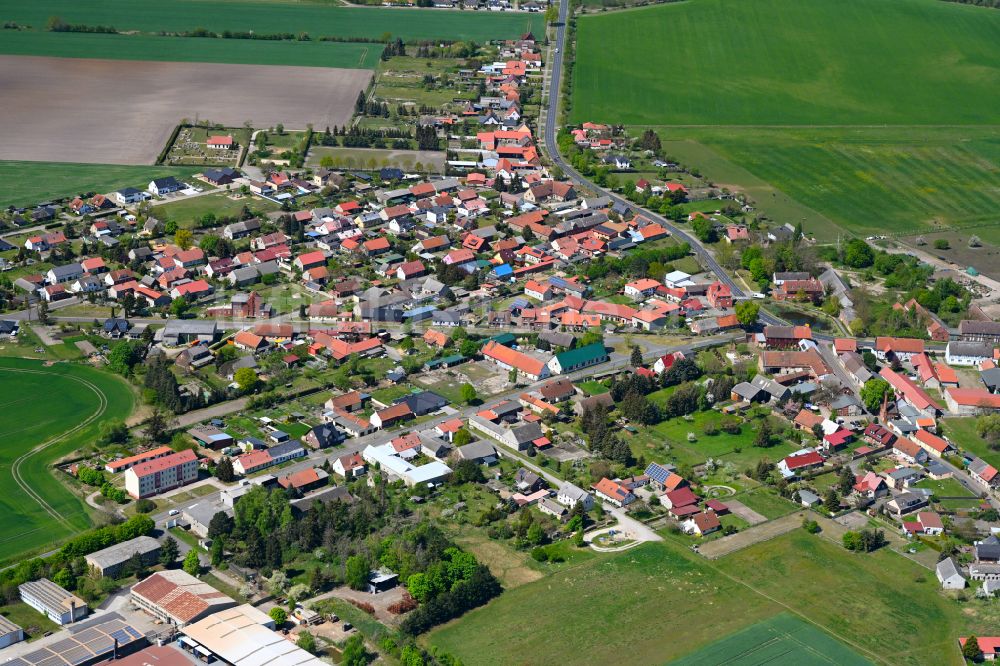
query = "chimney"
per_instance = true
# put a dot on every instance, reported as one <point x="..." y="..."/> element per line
<point x="72" y="610"/>
<point x="114" y="651"/>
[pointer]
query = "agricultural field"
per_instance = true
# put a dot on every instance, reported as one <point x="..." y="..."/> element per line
<point x="654" y="589"/>
<point x="347" y="55"/>
<point x="805" y="125"/>
<point x="37" y="508"/>
<point x="114" y="133"/>
<point x="27" y="183"/>
<point x="783" y="640"/>
<point x="316" y="19"/>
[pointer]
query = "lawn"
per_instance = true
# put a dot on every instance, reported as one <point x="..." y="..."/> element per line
<point x="784" y="106"/>
<point x="766" y="502"/>
<point x="347" y="55"/>
<point x="27" y="183"/>
<point x="783" y="640"/>
<point x="37" y="507"/>
<point x="316" y="19"/>
<point x="592" y="387"/>
<point x="737" y="449"/>
<point x="34" y="624"/>
<point x="372" y="158"/>
<point x="186" y="212"/>
<point x="963" y="433"/>
<point x="656" y="589"/>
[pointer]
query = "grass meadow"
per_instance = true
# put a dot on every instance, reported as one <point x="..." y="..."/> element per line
<point x="27" y="183"/>
<point x="317" y="19"/>
<point x="674" y="603"/>
<point x="41" y="403"/>
<point x="842" y="116"/>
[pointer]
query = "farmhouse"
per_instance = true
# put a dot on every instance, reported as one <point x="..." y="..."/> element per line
<point x="577" y="359"/>
<point x="613" y="492"/>
<point x="510" y="359"/>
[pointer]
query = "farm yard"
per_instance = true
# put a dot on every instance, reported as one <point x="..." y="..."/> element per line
<point x="105" y="131"/>
<point x="655" y="588"/>
<point x="37" y="508"/>
<point x="30" y="182"/>
<point x="317" y="19"/>
<point x="806" y="126"/>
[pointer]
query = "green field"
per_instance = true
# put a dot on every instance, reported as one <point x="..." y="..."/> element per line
<point x="660" y="602"/>
<point x="873" y="181"/>
<point x="27" y="183"/>
<point x="784" y="640"/>
<point x="784" y="99"/>
<point x="48" y="412"/>
<point x="963" y="433"/>
<point x="186" y="212"/>
<point x="317" y="19"/>
<point x="790" y="62"/>
<point x="349" y="55"/>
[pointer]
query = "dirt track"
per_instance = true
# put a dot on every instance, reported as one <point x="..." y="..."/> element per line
<point x="122" y="112"/>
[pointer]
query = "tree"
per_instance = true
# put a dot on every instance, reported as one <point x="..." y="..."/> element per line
<point x="874" y="392"/>
<point x="191" y="563"/>
<point x="279" y="615"/>
<point x="551" y="14"/>
<point x="124" y="355"/>
<point x="858" y="254"/>
<point x="179" y="306"/>
<point x="746" y="312"/>
<point x="113" y="432"/>
<point x="354" y="653"/>
<point x="971" y="649"/>
<point x="832" y="501"/>
<point x="307" y="642"/>
<point x="942" y="244"/>
<point x="156" y="425"/>
<point x="183" y="239"/>
<point x="462" y="437"/>
<point x="704" y="229"/>
<point x="975" y="242"/>
<point x="356" y="572"/>
<point x="145" y="505"/>
<point x="468" y="393"/>
<point x="218" y="552"/>
<point x="168" y="551"/>
<point x="988" y="427"/>
<point x="635" y="360"/>
<point x="246" y="379"/>
<point x="764" y="435"/>
<point x="846" y="480"/>
<point x="224" y="470"/>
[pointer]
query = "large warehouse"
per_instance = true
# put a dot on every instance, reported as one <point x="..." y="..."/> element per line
<point x="85" y="643"/>
<point x="10" y="633"/>
<point x="178" y="598"/>
<point x="54" y="602"/>
<point x="109" y="562"/>
<point x="243" y="636"/>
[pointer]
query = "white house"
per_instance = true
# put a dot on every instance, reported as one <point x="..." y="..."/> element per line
<point x="570" y="494"/>
<point x="949" y="576"/>
<point x="967" y="353"/>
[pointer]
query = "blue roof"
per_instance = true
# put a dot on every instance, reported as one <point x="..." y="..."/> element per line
<point x="657" y="473"/>
<point x="503" y="270"/>
<point x="519" y="303"/>
<point x="557" y="281"/>
<point x="416" y="312"/>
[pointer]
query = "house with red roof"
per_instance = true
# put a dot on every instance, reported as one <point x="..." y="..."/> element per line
<point x="508" y="359"/>
<point x="310" y="260"/>
<point x="613" y="492"/>
<point x="971" y="401"/>
<point x="701" y="524"/>
<point x="720" y="295"/>
<point x="870" y="486"/>
<point x="902" y="348"/>
<point x="192" y="290"/>
<point x="797" y="463"/>
<point x="907" y="390"/>
<point x="640" y="289"/>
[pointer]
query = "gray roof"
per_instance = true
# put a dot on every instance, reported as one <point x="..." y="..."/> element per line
<point x="478" y="450"/>
<point x="572" y="491"/>
<point x="946" y="569"/>
<point x="176" y="327"/>
<point x="981" y="349"/>
<point x="121" y="552"/>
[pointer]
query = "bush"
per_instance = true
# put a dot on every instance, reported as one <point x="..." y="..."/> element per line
<point x="145" y="505"/>
<point x="363" y="605"/>
<point x="404" y="605"/>
<point x="942" y="244"/>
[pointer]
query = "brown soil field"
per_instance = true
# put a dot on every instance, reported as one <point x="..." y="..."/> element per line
<point x="122" y="112"/>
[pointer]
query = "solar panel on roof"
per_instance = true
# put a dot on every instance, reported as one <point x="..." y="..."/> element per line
<point x="122" y="635"/>
<point x="100" y="644"/>
<point x="77" y="655"/>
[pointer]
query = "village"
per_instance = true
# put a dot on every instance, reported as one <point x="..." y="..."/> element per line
<point x="499" y="351"/>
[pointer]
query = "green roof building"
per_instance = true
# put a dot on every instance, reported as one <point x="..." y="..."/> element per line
<point x="575" y="359"/>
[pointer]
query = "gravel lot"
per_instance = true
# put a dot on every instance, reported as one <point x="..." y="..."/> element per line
<point x="122" y="112"/>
